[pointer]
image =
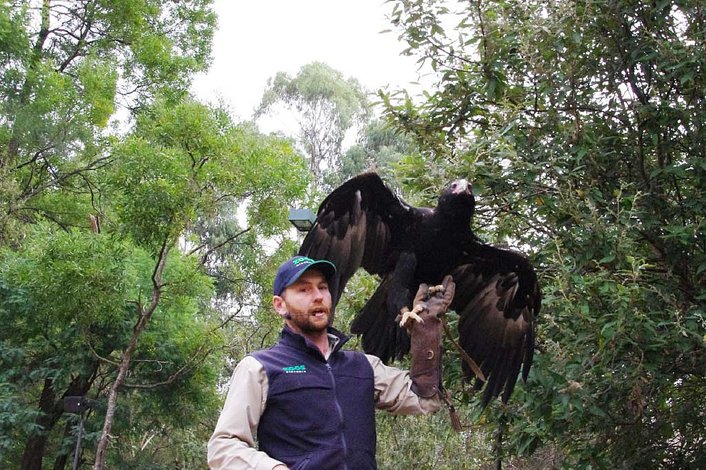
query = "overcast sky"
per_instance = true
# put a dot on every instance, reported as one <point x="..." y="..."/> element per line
<point x="257" y="38"/>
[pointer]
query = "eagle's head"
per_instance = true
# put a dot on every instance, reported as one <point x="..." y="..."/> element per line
<point x="457" y="201"/>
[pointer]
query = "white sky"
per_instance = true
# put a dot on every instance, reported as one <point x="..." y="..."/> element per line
<point x="257" y="38"/>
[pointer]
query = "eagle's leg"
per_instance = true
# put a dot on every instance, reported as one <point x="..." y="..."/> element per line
<point x="401" y="279"/>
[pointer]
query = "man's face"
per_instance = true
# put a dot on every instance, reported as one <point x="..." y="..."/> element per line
<point x="308" y="303"/>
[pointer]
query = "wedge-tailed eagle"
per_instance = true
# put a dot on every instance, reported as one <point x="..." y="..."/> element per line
<point x="363" y="224"/>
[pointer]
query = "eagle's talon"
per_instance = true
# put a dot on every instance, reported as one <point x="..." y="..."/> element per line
<point x="407" y="314"/>
<point x="434" y="289"/>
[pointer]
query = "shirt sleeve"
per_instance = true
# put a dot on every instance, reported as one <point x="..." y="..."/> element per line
<point x="232" y="445"/>
<point x="393" y="391"/>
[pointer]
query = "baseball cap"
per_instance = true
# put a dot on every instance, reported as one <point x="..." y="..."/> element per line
<point x="294" y="267"/>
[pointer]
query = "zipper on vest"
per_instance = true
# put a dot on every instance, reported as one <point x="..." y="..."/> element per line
<point x="340" y="415"/>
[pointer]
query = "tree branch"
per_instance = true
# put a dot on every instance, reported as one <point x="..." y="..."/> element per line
<point x="188" y="365"/>
<point x="216" y="247"/>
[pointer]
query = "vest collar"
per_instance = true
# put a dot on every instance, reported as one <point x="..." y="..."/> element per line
<point x="296" y="340"/>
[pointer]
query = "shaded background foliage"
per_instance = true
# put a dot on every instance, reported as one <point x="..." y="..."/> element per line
<point x="581" y="125"/>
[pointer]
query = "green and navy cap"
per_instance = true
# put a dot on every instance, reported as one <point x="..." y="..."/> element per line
<point x="293" y="268"/>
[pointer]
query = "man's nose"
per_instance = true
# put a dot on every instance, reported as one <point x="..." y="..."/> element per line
<point x="318" y="293"/>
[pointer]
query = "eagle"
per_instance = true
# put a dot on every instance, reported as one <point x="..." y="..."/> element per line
<point x="363" y="224"/>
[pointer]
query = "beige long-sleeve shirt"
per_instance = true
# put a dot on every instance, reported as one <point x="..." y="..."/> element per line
<point x="232" y="445"/>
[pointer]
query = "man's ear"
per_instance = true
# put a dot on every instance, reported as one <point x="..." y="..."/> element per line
<point x="279" y="306"/>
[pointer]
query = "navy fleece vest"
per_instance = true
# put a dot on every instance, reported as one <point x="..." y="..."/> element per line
<point x="319" y="414"/>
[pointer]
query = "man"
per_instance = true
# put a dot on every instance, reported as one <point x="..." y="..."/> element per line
<point x="311" y="404"/>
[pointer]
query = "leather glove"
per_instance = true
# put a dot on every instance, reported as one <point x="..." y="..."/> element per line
<point x="430" y="305"/>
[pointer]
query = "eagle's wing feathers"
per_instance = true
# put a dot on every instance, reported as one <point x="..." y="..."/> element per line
<point x="356" y="226"/>
<point x="498" y="300"/>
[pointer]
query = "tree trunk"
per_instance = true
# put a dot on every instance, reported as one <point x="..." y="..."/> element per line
<point x="61" y="459"/>
<point x="51" y="410"/>
<point x="145" y="315"/>
<point x="34" y="448"/>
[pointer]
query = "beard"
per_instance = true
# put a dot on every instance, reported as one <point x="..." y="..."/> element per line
<point x="307" y="323"/>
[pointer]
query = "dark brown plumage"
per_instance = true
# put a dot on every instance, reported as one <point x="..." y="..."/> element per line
<point x="363" y="224"/>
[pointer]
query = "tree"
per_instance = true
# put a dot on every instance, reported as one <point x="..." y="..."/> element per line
<point x="64" y="301"/>
<point x="326" y="105"/>
<point x="66" y="67"/>
<point x="581" y="125"/>
<point x="379" y="149"/>
<point x="181" y="164"/>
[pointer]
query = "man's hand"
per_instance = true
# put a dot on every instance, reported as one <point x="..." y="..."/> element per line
<point x="430" y="305"/>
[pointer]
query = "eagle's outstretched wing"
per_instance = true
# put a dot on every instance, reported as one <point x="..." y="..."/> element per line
<point x="498" y="300"/>
<point x="357" y="226"/>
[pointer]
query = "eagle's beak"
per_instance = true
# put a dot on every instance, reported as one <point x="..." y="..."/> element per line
<point x="461" y="186"/>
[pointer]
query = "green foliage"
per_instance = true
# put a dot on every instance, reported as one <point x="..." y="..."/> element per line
<point x="65" y="280"/>
<point x="580" y="125"/>
<point x="380" y="148"/>
<point x="179" y="177"/>
<point x="62" y="297"/>
<point x="71" y="298"/>
<point x="65" y="68"/>
<point x="429" y="442"/>
<point x="66" y="299"/>
<point x="85" y="214"/>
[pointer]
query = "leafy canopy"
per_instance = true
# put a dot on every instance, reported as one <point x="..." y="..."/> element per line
<point x="581" y="127"/>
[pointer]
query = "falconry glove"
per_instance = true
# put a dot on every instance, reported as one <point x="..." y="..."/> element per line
<point x="424" y="325"/>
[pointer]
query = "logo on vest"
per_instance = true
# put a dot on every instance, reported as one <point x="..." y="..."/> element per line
<point x="300" y="369"/>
